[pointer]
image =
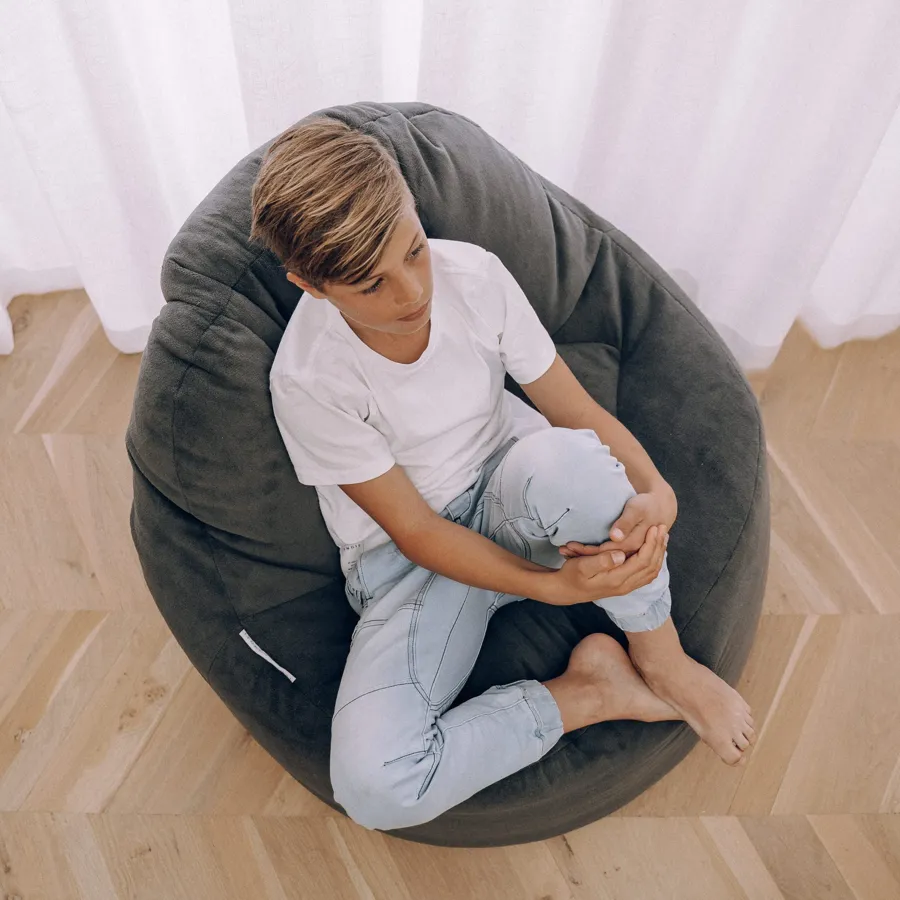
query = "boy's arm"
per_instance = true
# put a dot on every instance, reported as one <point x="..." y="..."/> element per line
<point x="439" y="545"/>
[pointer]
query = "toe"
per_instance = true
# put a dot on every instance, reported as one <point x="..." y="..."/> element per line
<point x="750" y="734"/>
<point x="732" y="755"/>
<point x="741" y="741"/>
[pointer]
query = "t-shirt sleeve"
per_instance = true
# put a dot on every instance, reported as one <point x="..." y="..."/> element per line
<point x="526" y="348"/>
<point x="326" y="444"/>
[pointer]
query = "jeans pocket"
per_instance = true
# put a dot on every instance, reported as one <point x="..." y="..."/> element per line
<point x="376" y="570"/>
<point x="459" y="508"/>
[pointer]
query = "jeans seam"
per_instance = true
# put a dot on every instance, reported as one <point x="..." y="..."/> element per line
<point x="459" y="684"/>
<point x="535" y="712"/>
<point x="513" y="521"/>
<point x="526" y="547"/>
<point x="426" y="781"/>
<point x="525" y="502"/>
<point x="530" y="514"/>
<point x="366" y="693"/>
<point x="405" y="755"/>
<point x="447" y="642"/>
<point x="370" y="623"/>
<point x="410" y="643"/>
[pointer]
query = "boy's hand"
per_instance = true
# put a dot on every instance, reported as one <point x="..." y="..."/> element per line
<point x="597" y="575"/>
<point x="629" y="531"/>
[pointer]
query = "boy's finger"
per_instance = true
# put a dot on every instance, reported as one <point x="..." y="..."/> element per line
<point x="611" y="560"/>
<point x="655" y="564"/>
<point x="661" y="548"/>
<point x="636" y="564"/>
<point x="660" y="556"/>
<point x="627" y="522"/>
<point x="655" y="560"/>
<point x="574" y="548"/>
<point x="584" y="549"/>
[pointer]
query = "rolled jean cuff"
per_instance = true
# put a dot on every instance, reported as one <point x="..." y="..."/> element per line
<point x="547" y="716"/>
<point x="649" y="620"/>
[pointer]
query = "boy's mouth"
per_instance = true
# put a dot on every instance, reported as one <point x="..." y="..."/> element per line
<point x="415" y="315"/>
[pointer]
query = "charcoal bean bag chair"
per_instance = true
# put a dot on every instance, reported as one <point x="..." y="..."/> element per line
<point x="235" y="552"/>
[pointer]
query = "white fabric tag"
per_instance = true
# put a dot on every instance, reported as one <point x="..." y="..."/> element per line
<point x="260" y="652"/>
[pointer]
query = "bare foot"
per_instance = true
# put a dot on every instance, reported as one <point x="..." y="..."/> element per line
<point x="714" y="709"/>
<point x="601" y="684"/>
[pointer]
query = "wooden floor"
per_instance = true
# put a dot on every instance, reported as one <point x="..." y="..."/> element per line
<point x="123" y="776"/>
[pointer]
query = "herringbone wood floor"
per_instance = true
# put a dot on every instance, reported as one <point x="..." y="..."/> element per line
<point x="123" y="776"/>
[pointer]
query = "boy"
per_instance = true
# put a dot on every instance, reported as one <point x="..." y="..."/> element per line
<point x="448" y="497"/>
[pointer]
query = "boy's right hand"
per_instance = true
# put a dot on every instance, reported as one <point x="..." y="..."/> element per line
<point x="583" y="579"/>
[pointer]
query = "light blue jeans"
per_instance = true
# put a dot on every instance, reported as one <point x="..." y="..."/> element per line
<point x="399" y="757"/>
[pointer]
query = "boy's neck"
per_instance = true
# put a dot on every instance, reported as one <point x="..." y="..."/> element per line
<point x="399" y="348"/>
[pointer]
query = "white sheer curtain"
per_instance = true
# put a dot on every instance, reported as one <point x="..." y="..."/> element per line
<point x="751" y="146"/>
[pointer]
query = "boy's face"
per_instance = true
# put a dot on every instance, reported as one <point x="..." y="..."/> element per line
<point x="401" y="285"/>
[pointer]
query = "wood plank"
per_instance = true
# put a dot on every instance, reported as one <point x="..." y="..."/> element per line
<point x="176" y="767"/>
<point x="654" y="859"/>
<point x="114" y="727"/>
<point x="796" y="858"/>
<point x="33" y="861"/>
<point x="781" y="730"/>
<point x="96" y="482"/>
<point x="52" y="705"/>
<point x="850" y="740"/>
<point x="37" y="525"/>
<point x="861" y="866"/>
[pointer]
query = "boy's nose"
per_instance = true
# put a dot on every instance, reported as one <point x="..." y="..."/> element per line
<point x="410" y="299"/>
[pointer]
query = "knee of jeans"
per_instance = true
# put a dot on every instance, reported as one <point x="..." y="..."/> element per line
<point x="359" y="787"/>
<point x="569" y="454"/>
<point x="572" y="465"/>
<point x="374" y="795"/>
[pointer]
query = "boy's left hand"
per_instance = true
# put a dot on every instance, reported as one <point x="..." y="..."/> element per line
<point x="656" y="507"/>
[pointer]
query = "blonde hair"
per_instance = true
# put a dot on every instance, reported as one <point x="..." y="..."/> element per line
<point x="327" y="201"/>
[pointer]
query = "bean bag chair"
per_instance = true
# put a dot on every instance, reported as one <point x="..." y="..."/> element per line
<point x="234" y="549"/>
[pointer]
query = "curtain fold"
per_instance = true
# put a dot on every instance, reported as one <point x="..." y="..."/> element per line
<point x="752" y="148"/>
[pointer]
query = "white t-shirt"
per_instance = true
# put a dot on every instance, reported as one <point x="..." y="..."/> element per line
<point x="347" y="414"/>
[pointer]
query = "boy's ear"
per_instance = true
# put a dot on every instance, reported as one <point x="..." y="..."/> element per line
<point x="293" y="279"/>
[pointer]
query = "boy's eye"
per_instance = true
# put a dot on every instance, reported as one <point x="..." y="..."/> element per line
<point x="371" y="290"/>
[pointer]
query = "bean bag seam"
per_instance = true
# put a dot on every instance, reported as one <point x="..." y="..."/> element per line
<point x="208" y="673"/>
<point x="231" y="287"/>
<point x="306" y="696"/>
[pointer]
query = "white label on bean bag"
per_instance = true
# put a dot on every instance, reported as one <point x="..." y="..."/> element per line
<point x="260" y="652"/>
